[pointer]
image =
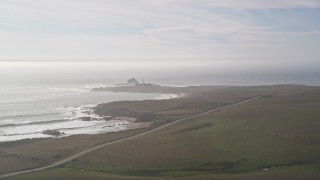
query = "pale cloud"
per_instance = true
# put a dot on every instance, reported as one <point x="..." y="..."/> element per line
<point x="133" y="29"/>
<point x="262" y="4"/>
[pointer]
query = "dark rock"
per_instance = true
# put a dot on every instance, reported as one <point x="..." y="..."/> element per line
<point x="108" y="126"/>
<point x="85" y="118"/>
<point x="52" y="132"/>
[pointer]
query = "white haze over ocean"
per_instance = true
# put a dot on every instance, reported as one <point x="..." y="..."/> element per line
<point x="36" y="96"/>
<point x="169" y="72"/>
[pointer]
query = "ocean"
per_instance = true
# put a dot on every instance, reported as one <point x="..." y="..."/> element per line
<point x="29" y="111"/>
<point x="37" y="96"/>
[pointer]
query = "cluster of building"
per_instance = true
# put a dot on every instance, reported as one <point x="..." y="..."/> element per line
<point x="135" y="82"/>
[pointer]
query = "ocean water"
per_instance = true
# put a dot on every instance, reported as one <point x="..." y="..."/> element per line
<point x="36" y="96"/>
<point x="26" y="112"/>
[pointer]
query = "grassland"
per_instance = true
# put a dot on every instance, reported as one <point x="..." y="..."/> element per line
<point x="280" y="133"/>
<point x="288" y="173"/>
<point x="27" y="154"/>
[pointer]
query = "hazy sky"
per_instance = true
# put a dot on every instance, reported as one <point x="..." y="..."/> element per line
<point x="264" y="30"/>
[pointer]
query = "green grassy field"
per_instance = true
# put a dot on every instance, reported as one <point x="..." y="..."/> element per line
<point x="280" y="133"/>
<point x="28" y="154"/>
<point x="288" y="173"/>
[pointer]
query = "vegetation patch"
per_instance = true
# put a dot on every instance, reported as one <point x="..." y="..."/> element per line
<point x="196" y="127"/>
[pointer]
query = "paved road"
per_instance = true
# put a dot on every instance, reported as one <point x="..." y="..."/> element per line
<point x="82" y="153"/>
